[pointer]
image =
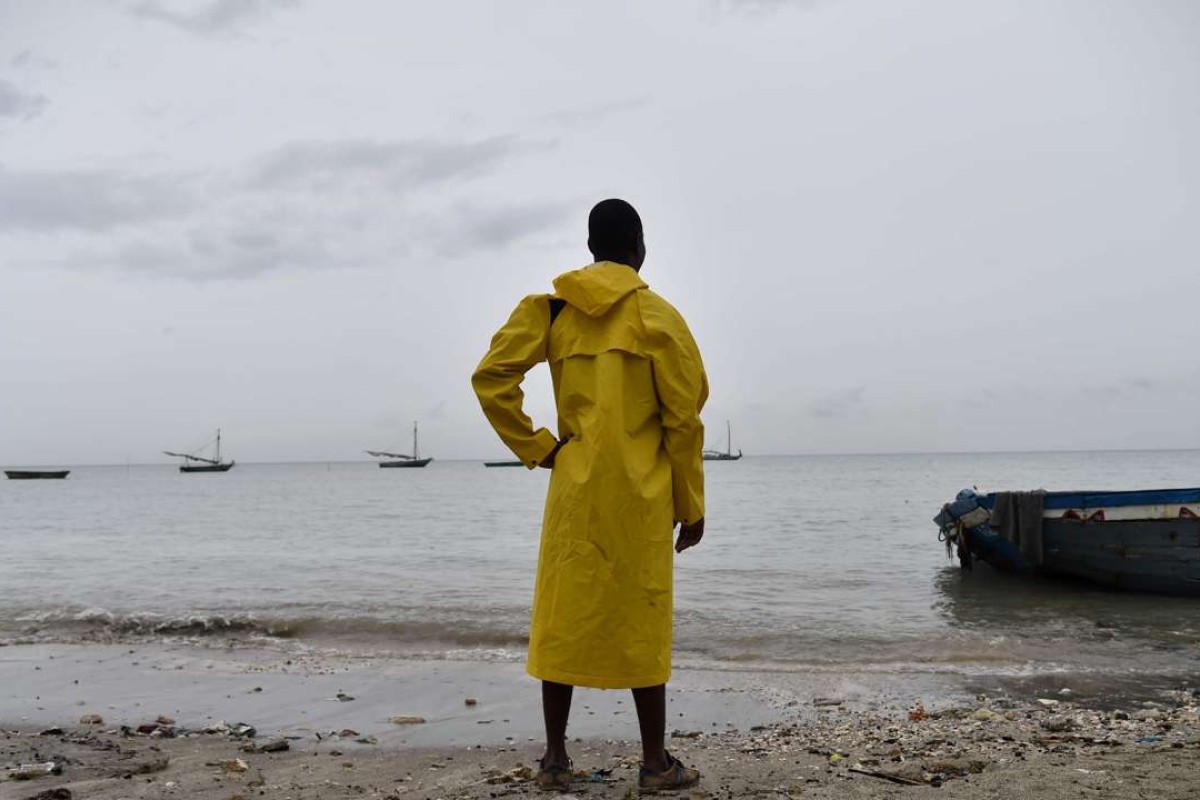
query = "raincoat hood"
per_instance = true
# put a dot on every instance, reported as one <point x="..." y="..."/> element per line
<point x="597" y="288"/>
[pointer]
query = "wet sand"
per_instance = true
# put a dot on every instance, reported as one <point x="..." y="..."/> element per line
<point x="751" y="735"/>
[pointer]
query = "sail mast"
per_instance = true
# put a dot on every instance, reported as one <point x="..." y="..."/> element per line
<point x="728" y="438"/>
<point x="218" y="445"/>
<point x="416" y="450"/>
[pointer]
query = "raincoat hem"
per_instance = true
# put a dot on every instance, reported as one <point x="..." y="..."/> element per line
<point x="596" y="681"/>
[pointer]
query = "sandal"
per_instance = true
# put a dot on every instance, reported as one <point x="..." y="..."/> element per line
<point x="675" y="776"/>
<point x="552" y="777"/>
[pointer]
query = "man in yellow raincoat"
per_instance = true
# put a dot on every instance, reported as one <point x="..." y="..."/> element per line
<point x="629" y="385"/>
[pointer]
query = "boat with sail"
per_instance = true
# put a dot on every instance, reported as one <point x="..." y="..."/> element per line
<point x="728" y="455"/>
<point x="402" y="459"/>
<point x="192" y="462"/>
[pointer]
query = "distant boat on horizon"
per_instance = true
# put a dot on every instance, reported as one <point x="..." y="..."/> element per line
<point x="402" y="459"/>
<point x="196" y="463"/>
<point x="728" y="455"/>
<point x="36" y="474"/>
<point x="504" y="463"/>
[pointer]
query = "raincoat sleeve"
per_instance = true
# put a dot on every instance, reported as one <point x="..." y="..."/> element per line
<point x="516" y="348"/>
<point x="682" y="387"/>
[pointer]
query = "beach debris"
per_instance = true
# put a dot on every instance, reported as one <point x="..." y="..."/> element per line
<point x="1059" y="724"/>
<point x="347" y="733"/>
<point x="163" y="719"/>
<point x="1047" y="701"/>
<point x="27" y="772"/>
<point x="826" y="702"/>
<point x="129" y="769"/>
<point x="518" y="775"/>
<point x="150" y="729"/>
<point x="52" y="732"/>
<point x="272" y="746"/>
<point x="238" y="730"/>
<point x="230" y="765"/>
<point x="686" y="734"/>
<point x="91" y="719"/>
<point x="60" y="793"/>
<point x="471" y="701"/>
<point x="343" y="697"/>
<point x="917" y="713"/>
<point x="406" y="720"/>
<point x="887" y="776"/>
<point x="368" y="739"/>
<point x="600" y="775"/>
<point x="984" y="715"/>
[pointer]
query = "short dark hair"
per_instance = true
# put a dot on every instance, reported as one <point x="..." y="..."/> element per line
<point x="614" y="228"/>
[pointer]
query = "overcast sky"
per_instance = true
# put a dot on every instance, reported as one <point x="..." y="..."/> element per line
<point x="893" y="226"/>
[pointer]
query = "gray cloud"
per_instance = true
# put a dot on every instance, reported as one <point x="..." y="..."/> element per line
<point x="15" y="102"/>
<point x="839" y="403"/>
<point x="27" y="59"/>
<point x="248" y="243"/>
<point x="92" y="200"/>
<point x="263" y="218"/>
<point x="471" y="229"/>
<point x="215" y="253"/>
<point x="393" y="166"/>
<point x="217" y="16"/>
<point x="1123" y="388"/>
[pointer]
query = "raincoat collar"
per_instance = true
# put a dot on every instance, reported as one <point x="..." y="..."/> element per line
<point x="598" y="287"/>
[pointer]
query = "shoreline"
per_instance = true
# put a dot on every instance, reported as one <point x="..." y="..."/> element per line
<point x="752" y="735"/>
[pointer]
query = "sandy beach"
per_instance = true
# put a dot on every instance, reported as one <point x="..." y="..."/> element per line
<point x="158" y="720"/>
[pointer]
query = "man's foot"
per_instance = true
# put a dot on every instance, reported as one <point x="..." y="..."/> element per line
<point x="675" y="776"/>
<point x="553" y="776"/>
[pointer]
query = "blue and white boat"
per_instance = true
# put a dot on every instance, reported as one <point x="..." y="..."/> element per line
<point x="1144" y="541"/>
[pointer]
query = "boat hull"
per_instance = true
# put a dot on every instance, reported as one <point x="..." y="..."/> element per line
<point x="722" y="457"/>
<point x="412" y="463"/>
<point x="36" y="474"/>
<point x="207" y="467"/>
<point x="1142" y="541"/>
<point x="503" y="464"/>
<point x="1148" y="555"/>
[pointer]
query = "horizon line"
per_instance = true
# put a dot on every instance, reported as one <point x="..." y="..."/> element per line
<point x="857" y="454"/>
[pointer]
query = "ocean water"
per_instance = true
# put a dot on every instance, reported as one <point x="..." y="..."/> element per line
<point x="809" y="563"/>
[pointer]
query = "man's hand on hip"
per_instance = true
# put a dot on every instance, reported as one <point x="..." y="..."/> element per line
<point x="690" y="535"/>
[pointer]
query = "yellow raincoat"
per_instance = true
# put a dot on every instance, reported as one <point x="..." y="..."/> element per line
<point x="629" y="386"/>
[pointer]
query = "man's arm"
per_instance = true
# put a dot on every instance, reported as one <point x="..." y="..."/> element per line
<point x="516" y="348"/>
<point x="682" y="387"/>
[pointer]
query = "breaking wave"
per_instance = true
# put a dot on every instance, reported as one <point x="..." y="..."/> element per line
<point x="67" y="625"/>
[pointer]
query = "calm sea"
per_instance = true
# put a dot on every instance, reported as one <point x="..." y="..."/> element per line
<point x="809" y="563"/>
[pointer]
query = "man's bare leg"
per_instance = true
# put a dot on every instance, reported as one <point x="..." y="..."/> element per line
<point x="651" y="703"/>
<point x="556" y="709"/>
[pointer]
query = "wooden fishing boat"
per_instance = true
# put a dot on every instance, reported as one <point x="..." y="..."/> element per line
<point x="1144" y="541"/>
<point x="728" y="455"/>
<point x="36" y="474"/>
<point x="197" y="463"/>
<point x="503" y="463"/>
<point x="402" y="460"/>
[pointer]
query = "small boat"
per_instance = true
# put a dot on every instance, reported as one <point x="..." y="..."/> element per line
<point x="504" y="463"/>
<point x="196" y="463"/>
<point x="402" y="459"/>
<point x="728" y="455"/>
<point x="36" y="474"/>
<point x="1143" y="541"/>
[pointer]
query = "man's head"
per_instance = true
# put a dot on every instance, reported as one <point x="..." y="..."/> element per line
<point x="615" y="233"/>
